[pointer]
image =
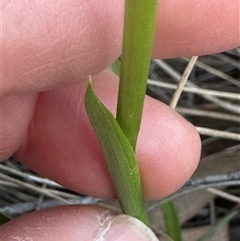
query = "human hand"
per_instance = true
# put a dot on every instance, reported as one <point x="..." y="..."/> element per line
<point x="48" y="50"/>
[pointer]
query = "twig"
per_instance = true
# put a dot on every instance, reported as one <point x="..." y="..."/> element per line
<point x="232" y="148"/>
<point x="216" y="72"/>
<point x="197" y="90"/>
<point x="184" y="191"/>
<point x="213" y="179"/>
<point x="208" y="114"/>
<point x="37" y="189"/>
<point x="225" y="195"/>
<point x="182" y="82"/>
<point x="24" y="207"/>
<point x="30" y="176"/>
<point x="218" y="133"/>
<point x="228" y="60"/>
<point x="40" y="199"/>
<point x="176" y="76"/>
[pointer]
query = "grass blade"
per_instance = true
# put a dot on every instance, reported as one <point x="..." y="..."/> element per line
<point x="172" y="224"/>
<point x="119" y="155"/>
<point x="218" y="225"/>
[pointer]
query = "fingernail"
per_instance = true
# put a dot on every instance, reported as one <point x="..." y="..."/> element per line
<point x="124" y="228"/>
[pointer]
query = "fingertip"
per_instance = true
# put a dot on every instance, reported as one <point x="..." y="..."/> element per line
<point x="75" y="223"/>
<point x="125" y="228"/>
<point x="185" y="28"/>
<point x="57" y="224"/>
<point x="168" y="148"/>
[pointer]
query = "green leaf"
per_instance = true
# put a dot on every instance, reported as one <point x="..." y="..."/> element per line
<point x="172" y="224"/>
<point x="139" y="26"/>
<point x="115" y="67"/>
<point x="4" y="218"/>
<point x="218" y="225"/>
<point x="119" y="156"/>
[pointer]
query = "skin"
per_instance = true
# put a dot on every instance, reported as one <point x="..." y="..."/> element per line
<point x="48" y="50"/>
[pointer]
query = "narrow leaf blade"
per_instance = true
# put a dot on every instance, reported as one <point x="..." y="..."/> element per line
<point x="119" y="156"/>
<point x="172" y="224"/>
<point x="218" y="225"/>
<point x="115" y="67"/>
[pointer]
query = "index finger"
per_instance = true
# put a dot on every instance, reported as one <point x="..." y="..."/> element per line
<point x="50" y="44"/>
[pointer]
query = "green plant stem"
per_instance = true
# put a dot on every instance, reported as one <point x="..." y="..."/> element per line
<point x="139" y="25"/>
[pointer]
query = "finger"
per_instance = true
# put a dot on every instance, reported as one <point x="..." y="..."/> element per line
<point x="51" y="44"/>
<point x="83" y="223"/>
<point x="188" y="28"/>
<point x="62" y="145"/>
<point x="16" y="114"/>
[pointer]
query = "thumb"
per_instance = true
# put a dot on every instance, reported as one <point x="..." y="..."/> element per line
<point x="85" y="223"/>
<point x="124" y="228"/>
